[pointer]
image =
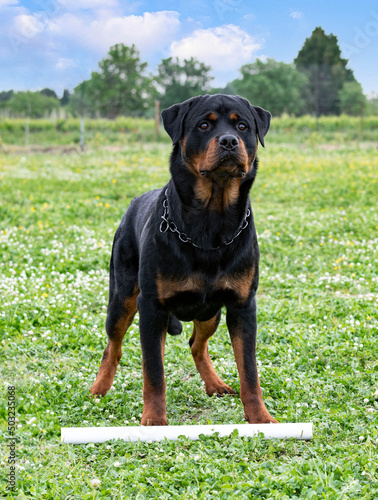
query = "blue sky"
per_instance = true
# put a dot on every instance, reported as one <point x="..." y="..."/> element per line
<point x="57" y="43"/>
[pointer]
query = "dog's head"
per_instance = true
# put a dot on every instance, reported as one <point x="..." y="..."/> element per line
<point x="218" y="134"/>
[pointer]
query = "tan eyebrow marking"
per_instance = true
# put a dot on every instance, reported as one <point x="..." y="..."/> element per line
<point x="212" y="116"/>
<point x="234" y="116"/>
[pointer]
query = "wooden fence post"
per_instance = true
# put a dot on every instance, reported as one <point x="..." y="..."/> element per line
<point x="82" y="129"/>
<point x="27" y="132"/>
<point x="157" y="118"/>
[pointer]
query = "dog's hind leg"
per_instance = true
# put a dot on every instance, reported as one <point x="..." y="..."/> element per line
<point x="198" y="342"/>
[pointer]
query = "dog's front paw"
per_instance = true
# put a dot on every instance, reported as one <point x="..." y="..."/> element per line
<point x="153" y="420"/>
<point x="262" y="417"/>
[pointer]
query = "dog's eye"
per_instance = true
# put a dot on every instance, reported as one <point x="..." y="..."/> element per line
<point x="204" y="126"/>
<point x="242" y="126"/>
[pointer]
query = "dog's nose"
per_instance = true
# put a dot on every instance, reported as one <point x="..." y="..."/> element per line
<point x="228" y="142"/>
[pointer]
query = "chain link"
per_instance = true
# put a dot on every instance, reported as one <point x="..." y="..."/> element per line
<point x="166" y="224"/>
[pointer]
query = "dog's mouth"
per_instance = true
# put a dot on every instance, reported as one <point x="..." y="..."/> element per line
<point x="229" y="164"/>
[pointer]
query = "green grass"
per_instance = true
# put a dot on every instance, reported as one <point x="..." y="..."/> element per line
<point x="315" y="212"/>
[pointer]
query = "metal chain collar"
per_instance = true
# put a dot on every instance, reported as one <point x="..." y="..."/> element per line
<point x="167" y="223"/>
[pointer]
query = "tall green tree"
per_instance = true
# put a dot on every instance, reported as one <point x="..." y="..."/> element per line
<point x="273" y="85"/>
<point x="119" y="88"/>
<point x="178" y="81"/>
<point x="65" y="99"/>
<point x="320" y="60"/>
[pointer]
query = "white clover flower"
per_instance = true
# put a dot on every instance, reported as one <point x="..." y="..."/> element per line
<point x="96" y="482"/>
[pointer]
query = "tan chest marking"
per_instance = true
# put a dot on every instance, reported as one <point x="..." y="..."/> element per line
<point x="240" y="283"/>
<point x="169" y="287"/>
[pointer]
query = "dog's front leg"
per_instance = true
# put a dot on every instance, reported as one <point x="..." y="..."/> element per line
<point x="242" y="326"/>
<point x="153" y="323"/>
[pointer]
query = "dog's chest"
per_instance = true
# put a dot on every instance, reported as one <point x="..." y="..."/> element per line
<point x="190" y="297"/>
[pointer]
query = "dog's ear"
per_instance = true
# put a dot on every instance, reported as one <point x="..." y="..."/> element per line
<point x="173" y="118"/>
<point x="262" y="118"/>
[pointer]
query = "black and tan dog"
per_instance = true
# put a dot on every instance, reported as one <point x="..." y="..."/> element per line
<point x="184" y="251"/>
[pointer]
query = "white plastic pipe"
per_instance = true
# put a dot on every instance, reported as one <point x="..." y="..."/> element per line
<point x="83" y="435"/>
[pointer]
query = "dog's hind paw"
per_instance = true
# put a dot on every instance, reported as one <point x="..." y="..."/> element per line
<point x="100" y="388"/>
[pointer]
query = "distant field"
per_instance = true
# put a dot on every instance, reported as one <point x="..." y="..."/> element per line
<point x="125" y="130"/>
<point x="316" y="214"/>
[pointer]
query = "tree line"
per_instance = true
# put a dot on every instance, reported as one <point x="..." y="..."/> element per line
<point x="318" y="82"/>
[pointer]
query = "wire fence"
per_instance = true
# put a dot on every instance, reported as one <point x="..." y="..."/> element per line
<point x="323" y="110"/>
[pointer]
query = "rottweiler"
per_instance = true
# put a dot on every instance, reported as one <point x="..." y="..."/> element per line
<point x="184" y="251"/>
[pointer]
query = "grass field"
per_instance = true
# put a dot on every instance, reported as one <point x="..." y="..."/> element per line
<point x="316" y="215"/>
<point x="43" y="133"/>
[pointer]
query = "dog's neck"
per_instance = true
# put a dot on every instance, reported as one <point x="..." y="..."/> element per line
<point x="217" y="191"/>
<point x="211" y="207"/>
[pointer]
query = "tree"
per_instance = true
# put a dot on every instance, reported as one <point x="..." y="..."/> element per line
<point x="179" y="81"/>
<point x="48" y="92"/>
<point x="352" y="99"/>
<point x="273" y="85"/>
<point x="372" y="105"/>
<point x="5" y="95"/>
<point x="65" y="99"/>
<point x="320" y="59"/>
<point x="119" y="88"/>
<point x="31" y="104"/>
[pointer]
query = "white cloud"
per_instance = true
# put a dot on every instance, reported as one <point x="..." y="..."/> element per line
<point x="224" y="48"/>
<point x="296" y="14"/>
<point x="149" y="32"/>
<point x="87" y="4"/>
<point x="28" y="26"/>
<point x="7" y="3"/>
<point x="64" y="63"/>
